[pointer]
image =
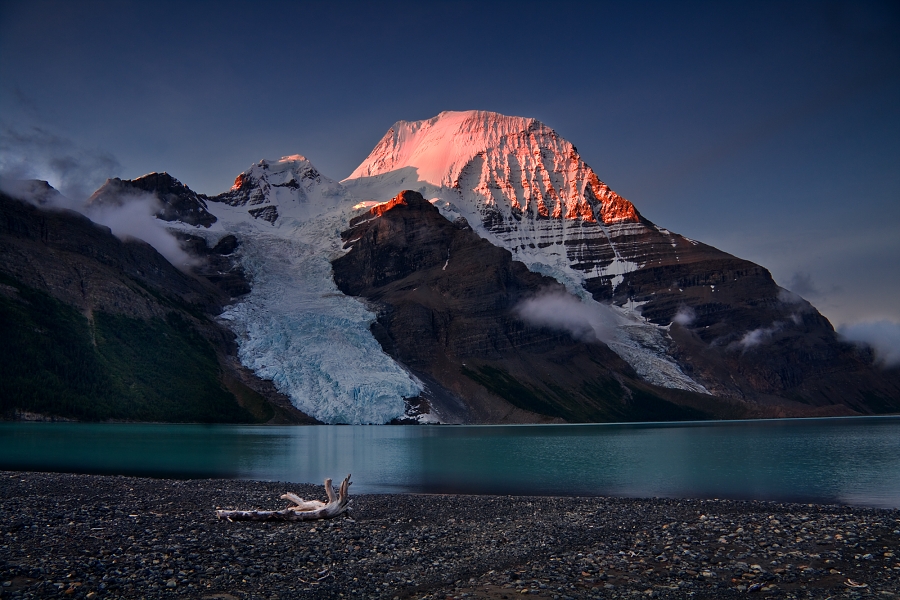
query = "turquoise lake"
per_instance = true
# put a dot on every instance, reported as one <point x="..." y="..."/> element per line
<point x="844" y="460"/>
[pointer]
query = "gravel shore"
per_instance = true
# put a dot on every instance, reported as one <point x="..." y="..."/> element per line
<point x="86" y="536"/>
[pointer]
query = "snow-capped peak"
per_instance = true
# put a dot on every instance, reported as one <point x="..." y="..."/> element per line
<point x="285" y="172"/>
<point x="440" y="147"/>
<point x="499" y="162"/>
<point x="289" y="186"/>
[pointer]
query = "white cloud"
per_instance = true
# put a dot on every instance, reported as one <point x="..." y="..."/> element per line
<point x="757" y="337"/>
<point x="133" y="215"/>
<point x="685" y="316"/>
<point x="882" y="336"/>
<point x="584" y="321"/>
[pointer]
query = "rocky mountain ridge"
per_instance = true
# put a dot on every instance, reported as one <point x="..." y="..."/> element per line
<point x="98" y="328"/>
<point x="178" y="202"/>
<point x="642" y="311"/>
<point x="447" y="303"/>
<point x="799" y="369"/>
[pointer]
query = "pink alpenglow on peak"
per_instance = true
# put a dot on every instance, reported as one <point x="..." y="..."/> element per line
<point x="290" y="187"/>
<point x="506" y="163"/>
<point x="289" y="165"/>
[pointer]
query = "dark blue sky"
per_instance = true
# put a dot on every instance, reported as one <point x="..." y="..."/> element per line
<point x="770" y="130"/>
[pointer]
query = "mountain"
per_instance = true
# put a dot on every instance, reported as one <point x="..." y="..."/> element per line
<point x="475" y="269"/>
<point x="291" y="184"/>
<point x="97" y="328"/>
<point x="178" y="202"/>
<point x="729" y="328"/>
<point x="447" y="311"/>
<point x="518" y="183"/>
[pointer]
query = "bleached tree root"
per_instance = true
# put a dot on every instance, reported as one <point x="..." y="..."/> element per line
<point x="302" y="510"/>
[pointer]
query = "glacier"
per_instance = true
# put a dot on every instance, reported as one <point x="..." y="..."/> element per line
<point x="295" y="327"/>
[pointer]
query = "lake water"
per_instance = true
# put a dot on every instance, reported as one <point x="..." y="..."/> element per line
<point x="851" y="460"/>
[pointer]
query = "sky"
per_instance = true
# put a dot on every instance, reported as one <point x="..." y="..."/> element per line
<point x="770" y="130"/>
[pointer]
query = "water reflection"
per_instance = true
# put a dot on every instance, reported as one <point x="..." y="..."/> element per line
<point x="854" y="461"/>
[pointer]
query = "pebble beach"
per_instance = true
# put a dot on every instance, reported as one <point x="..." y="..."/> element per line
<point x="91" y="536"/>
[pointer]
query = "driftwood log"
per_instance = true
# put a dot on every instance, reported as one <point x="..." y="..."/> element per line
<point x="302" y="510"/>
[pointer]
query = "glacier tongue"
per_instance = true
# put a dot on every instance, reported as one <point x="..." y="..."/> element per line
<point x="297" y="329"/>
<point x="643" y="346"/>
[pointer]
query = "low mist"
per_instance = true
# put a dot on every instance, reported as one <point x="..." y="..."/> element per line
<point x="757" y="337"/>
<point x="134" y="216"/>
<point x="883" y="337"/>
<point x="128" y="216"/>
<point x="586" y="321"/>
<point x="685" y="316"/>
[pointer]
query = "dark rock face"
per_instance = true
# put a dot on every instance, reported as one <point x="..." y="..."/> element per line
<point x="179" y="202"/>
<point x="246" y="190"/>
<point x="106" y="329"/>
<point x="266" y="213"/>
<point x="445" y="302"/>
<point x="219" y="265"/>
<point x="742" y="335"/>
<point x="84" y="265"/>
